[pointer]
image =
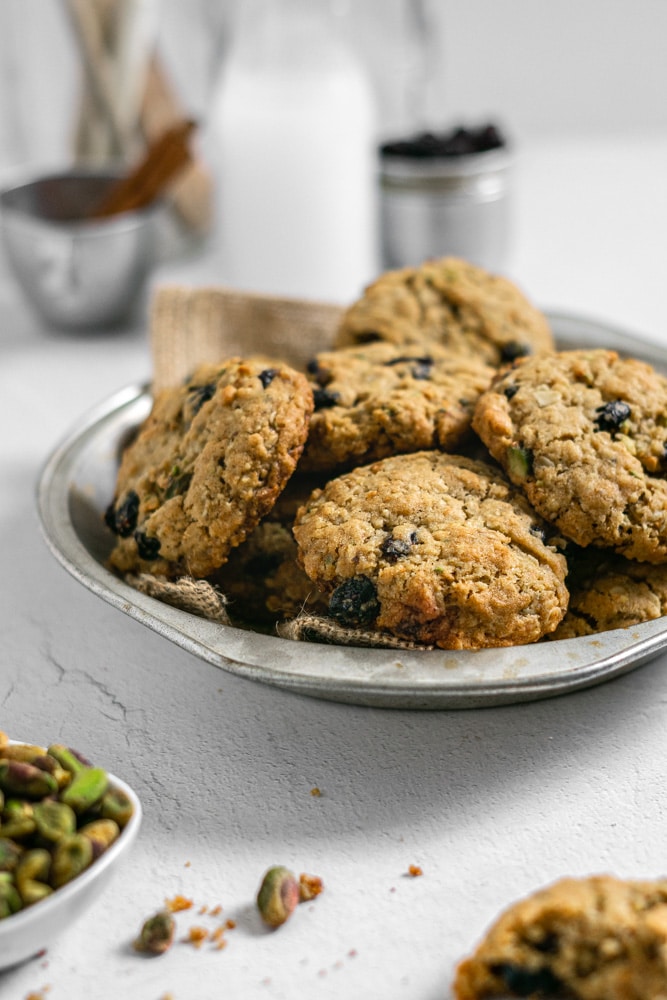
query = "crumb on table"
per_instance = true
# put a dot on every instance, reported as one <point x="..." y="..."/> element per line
<point x="178" y="903"/>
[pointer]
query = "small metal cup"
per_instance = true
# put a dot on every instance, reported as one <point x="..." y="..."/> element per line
<point x="446" y="206"/>
<point x="76" y="272"/>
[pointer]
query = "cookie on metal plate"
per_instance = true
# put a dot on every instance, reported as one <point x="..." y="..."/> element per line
<point x="584" y="435"/>
<point x="608" y="591"/>
<point x="207" y="464"/>
<point x="454" y="303"/>
<point x="382" y="399"/>
<point x="434" y="548"/>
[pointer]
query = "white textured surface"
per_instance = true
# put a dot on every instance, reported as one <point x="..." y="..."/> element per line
<point x="489" y="803"/>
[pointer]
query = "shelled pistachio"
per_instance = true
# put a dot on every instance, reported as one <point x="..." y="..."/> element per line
<point x="58" y="814"/>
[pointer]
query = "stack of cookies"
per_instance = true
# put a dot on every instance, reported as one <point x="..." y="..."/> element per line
<point x="439" y="477"/>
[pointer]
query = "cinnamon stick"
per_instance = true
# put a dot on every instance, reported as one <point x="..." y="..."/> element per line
<point x="164" y="160"/>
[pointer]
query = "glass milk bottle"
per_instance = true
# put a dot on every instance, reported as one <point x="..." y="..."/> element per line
<point x="294" y="145"/>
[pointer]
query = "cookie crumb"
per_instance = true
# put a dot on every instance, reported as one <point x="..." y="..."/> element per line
<point x="178" y="903"/>
<point x="196" y="936"/>
<point x="310" y="886"/>
<point x="415" y="871"/>
<point x="218" y="939"/>
<point x="316" y="792"/>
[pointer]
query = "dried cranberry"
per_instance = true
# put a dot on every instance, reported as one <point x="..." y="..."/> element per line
<point x="539" y="532"/>
<point x="394" y="549"/>
<point x="123" y="519"/>
<point x="489" y="137"/>
<point x="324" y="399"/>
<point x="320" y="375"/>
<point x="367" y="336"/>
<point x="267" y="376"/>
<point x="354" y="602"/>
<point x="548" y="945"/>
<point x="407" y="358"/>
<point x="514" y="349"/>
<point x="422" y="369"/>
<point x="110" y="518"/>
<point x="458" y="141"/>
<point x="148" y="546"/>
<point x="611" y="415"/>
<point x="528" y="982"/>
<point x="200" y="394"/>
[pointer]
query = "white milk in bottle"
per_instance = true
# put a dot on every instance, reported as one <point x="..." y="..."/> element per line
<point x="294" y="133"/>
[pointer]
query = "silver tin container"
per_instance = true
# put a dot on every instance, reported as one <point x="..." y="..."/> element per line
<point x="77" y="273"/>
<point x="449" y="205"/>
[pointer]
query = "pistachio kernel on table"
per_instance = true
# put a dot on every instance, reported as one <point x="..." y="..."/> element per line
<point x="58" y="814"/>
<point x="278" y="896"/>
<point x="281" y="892"/>
<point x="157" y="934"/>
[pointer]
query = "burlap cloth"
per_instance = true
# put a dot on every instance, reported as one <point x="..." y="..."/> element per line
<point x="189" y="326"/>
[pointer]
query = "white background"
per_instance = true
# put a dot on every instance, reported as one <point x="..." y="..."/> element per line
<point x="577" y="66"/>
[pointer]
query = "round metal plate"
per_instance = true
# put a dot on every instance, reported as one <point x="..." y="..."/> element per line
<point x="77" y="483"/>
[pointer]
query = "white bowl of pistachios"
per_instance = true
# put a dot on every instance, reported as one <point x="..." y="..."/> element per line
<point x="65" y="825"/>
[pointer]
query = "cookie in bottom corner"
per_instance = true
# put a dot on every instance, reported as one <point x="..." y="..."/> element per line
<point x="591" y="938"/>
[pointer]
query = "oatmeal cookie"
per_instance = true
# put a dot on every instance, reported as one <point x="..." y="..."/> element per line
<point x="452" y="302"/>
<point x="595" y="938"/>
<point x="206" y="466"/>
<point x="434" y="548"/>
<point x="380" y="399"/>
<point x="609" y="591"/>
<point x="584" y="434"/>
